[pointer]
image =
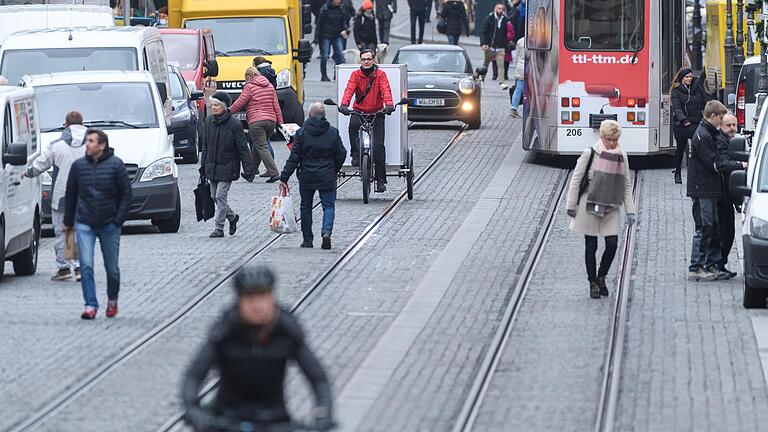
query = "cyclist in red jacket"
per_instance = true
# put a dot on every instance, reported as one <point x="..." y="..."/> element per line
<point x="372" y="93"/>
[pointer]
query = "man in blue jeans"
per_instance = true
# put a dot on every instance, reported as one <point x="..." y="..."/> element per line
<point x="317" y="156"/>
<point x="98" y="199"/>
<point x="332" y="30"/>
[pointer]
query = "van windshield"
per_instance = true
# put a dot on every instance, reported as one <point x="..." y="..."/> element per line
<point x="117" y="105"/>
<point x="182" y="50"/>
<point x="17" y="63"/>
<point x="256" y="36"/>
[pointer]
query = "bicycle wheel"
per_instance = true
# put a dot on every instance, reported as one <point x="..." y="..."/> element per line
<point x="410" y="174"/>
<point x="365" y="176"/>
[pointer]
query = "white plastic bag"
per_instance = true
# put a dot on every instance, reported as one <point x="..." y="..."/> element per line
<point x="282" y="219"/>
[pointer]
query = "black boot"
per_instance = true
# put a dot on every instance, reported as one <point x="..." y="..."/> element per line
<point x="601" y="285"/>
<point x="324" y="77"/>
<point x="678" y="177"/>
<point x="594" y="290"/>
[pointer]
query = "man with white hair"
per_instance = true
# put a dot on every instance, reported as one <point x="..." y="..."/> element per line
<point x="317" y="155"/>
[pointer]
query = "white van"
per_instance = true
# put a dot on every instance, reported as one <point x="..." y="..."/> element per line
<point x="45" y="16"/>
<point x="19" y="197"/>
<point x="126" y="105"/>
<point x="85" y="49"/>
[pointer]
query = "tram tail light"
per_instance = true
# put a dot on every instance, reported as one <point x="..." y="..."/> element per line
<point x="741" y="94"/>
<point x="575" y="102"/>
<point x="565" y="102"/>
<point x="565" y="117"/>
<point x="631" y="102"/>
<point x="641" y="102"/>
<point x="631" y="116"/>
<point x="575" y="116"/>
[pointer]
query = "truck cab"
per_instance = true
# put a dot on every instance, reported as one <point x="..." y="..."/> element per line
<point x="245" y="29"/>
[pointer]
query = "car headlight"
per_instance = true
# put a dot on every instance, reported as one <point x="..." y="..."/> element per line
<point x="467" y="85"/>
<point x="46" y="179"/>
<point x="192" y="86"/>
<point x="284" y="78"/>
<point x="159" y="168"/>
<point x="759" y="228"/>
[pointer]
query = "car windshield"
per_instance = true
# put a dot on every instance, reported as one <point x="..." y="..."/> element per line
<point x="433" y="61"/>
<point x="245" y="36"/>
<point x="182" y="50"/>
<point x="177" y="91"/>
<point x="17" y="63"/>
<point x="120" y="102"/>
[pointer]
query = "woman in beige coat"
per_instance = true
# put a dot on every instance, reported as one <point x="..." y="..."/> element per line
<point x="594" y="204"/>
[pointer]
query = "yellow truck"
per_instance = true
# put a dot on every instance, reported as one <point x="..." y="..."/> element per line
<point x="244" y="29"/>
<point x="714" y="59"/>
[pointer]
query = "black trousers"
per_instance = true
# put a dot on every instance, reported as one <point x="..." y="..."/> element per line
<point x="384" y="26"/>
<point x="420" y="17"/>
<point x="379" y="152"/>
<point x="726" y="219"/>
<point x="682" y="135"/>
<point x="611" y="244"/>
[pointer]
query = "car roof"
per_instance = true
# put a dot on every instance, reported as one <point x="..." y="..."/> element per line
<point x="432" y="47"/>
<point x="80" y="37"/>
<point x="752" y="60"/>
<point x="6" y="89"/>
<point x="84" y="77"/>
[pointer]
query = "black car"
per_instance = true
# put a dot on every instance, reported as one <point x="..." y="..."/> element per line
<point x="441" y="84"/>
<point x="184" y="107"/>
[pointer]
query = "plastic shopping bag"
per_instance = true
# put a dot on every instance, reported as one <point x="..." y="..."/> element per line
<point x="283" y="217"/>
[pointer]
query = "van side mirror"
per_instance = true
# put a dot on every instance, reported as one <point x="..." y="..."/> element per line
<point x="211" y="69"/>
<point x="304" y="51"/>
<point x="196" y="95"/>
<point x="737" y="149"/>
<point x="177" y="125"/>
<point x="163" y="90"/>
<point x="17" y="154"/>
<point x="737" y="183"/>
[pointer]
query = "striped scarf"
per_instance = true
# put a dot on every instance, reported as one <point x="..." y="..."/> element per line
<point x="606" y="189"/>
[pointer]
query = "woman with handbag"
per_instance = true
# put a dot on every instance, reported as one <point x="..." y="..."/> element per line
<point x="688" y="99"/>
<point x="600" y="185"/>
<point x="452" y="20"/>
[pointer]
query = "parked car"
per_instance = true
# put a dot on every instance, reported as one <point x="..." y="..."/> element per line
<point x="127" y="106"/>
<point x="441" y="84"/>
<point x="746" y="88"/>
<point x="184" y="111"/>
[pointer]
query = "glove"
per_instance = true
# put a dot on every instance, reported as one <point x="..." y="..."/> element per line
<point x="248" y="177"/>
<point x="389" y="109"/>
<point x="344" y="109"/>
<point x="631" y="218"/>
<point x="571" y="212"/>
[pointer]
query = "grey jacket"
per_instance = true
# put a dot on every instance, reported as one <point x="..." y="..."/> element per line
<point x="60" y="154"/>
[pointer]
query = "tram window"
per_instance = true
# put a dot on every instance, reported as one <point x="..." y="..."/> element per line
<point x="604" y="25"/>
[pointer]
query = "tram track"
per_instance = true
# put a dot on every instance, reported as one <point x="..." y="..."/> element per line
<point x="610" y="383"/>
<point x="79" y="388"/>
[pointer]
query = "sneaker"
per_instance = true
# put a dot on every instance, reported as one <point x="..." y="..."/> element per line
<point x="306" y="244"/>
<point x="89" y="313"/>
<point x="265" y="174"/>
<point x="719" y="274"/>
<point x="77" y="274"/>
<point x="731" y="274"/>
<point x="594" y="290"/>
<point x="217" y="233"/>
<point x="233" y="224"/>
<point x="326" y="241"/>
<point x="514" y="113"/>
<point x="62" y="274"/>
<point x="325" y="79"/>
<point x="273" y="179"/>
<point x="381" y="187"/>
<point x="603" y="287"/>
<point x="111" y="309"/>
<point x="700" y="275"/>
<point x="503" y="85"/>
<point x="678" y="177"/>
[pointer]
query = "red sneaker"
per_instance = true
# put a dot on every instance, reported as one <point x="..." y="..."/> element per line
<point x="89" y="313"/>
<point x="111" y="308"/>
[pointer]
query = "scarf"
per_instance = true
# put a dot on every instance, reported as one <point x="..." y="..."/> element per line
<point x="606" y="190"/>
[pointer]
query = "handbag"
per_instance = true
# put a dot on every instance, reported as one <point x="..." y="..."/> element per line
<point x="282" y="218"/>
<point x="204" y="206"/>
<point x="442" y="26"/>
<point x="70" y="245"/>
<point x="584" y="185"/>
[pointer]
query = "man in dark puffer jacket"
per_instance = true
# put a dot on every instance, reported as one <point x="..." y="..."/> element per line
<point x="98" y="199"/>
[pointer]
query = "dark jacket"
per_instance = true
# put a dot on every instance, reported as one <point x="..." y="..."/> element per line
<point x="224" y="149"/>
<point x="365" y="28"/>
<point x="252" y="371"/>
<point x="417" y="5"/>
<point x="268" y="73"/>
<point x="726" y="165"/>
<point x="494" y="35"/>
<point x="317" y="155"/>
<point x="688" y="102"/>
<point x="331" y="22"/>
<point x="98" y="191"/>
<point x="455" y="17"/>
<point x="382" y="10"/>
<point x="315" y="6"/>
<point x="703" y="173"/>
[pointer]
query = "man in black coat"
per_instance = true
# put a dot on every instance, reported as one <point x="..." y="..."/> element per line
<point x="317" y="156"/>
<point x="385" y="9"/>
<point x="224" y="150"/>
<point x="493" y="41"/>
<point x="418" y="14"/>
<point x="97" y="203"/>
<point x="331" y="32"/>
<point x="364" y="27"/>
<point x="705" y="188"/>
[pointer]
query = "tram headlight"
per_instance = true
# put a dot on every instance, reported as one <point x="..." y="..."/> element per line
<point x="467" y="85"/>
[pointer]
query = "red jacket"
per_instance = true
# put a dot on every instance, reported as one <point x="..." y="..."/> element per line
<point x="259" y="100"/>
<point x="379" y="96"/>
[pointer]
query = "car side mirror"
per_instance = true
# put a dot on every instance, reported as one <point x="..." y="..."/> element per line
<point x="737" y="149"/>
<point x="737" y="183"/>
<point x="211" y="69"/>
<point x="163" y="90"/>
<point x="17" y="154"/>
<point x="196" y="95"/>
<point x="304" y="51"/>
<point x="481" y="70"/>
<point x="177" y="125"/>
<point x="329" y="102"/>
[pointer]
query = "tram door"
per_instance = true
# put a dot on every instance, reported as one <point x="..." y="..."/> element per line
<point x="672" y="50"/>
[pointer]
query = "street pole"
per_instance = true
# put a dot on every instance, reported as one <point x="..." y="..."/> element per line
<point x="729" y="47"/>
<point x="751" y="28"/>
<point x="738" y="58"/>
<point x="126" y="12"/>
<point x="696" y="43"/>
<point x="762" y="84"/>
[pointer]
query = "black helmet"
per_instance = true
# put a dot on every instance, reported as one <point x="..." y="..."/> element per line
<point x="254" y="279"/>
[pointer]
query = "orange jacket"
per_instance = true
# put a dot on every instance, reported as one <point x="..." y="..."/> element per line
<point x="376" y="99"/>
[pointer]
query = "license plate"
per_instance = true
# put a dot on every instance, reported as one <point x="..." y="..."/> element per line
<point x="430" y="102"/>
<point x="239" y="115"/>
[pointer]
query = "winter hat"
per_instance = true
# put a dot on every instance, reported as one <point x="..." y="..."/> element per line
<point x="367" y="4"/>
<point x="221" y="98"/>
<point x="258" y="61"/>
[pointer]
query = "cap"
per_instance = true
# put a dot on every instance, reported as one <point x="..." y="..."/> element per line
<point x="222" y="97"/>
<point x="254" y="279"/>
<point x="367" y="4"/>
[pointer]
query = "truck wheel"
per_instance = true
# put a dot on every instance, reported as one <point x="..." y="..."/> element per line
<point x="474" y="123"/>
<point x="25" y="263"/>
<point x="753" y="298"/>
<point x="172" y="224"/>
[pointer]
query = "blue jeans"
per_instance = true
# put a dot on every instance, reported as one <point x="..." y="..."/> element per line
<point x="325" y="50"/>
<point x="328" y="201"/>
<point x="109" y="237"/>
<point x="705" y="245"/>
<point x="518" y="94"/>
<point x="453" y="39"/>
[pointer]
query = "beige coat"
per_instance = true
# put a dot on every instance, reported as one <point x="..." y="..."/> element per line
<point x="587" y="223"/>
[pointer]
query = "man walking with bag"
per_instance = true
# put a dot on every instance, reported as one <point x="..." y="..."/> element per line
<point x="493" y="41"/>
<point x="60" y="154"/>
<point x="98" y="199"/>
<point x="385" y="9"/>
<point x="224" y="150"/>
